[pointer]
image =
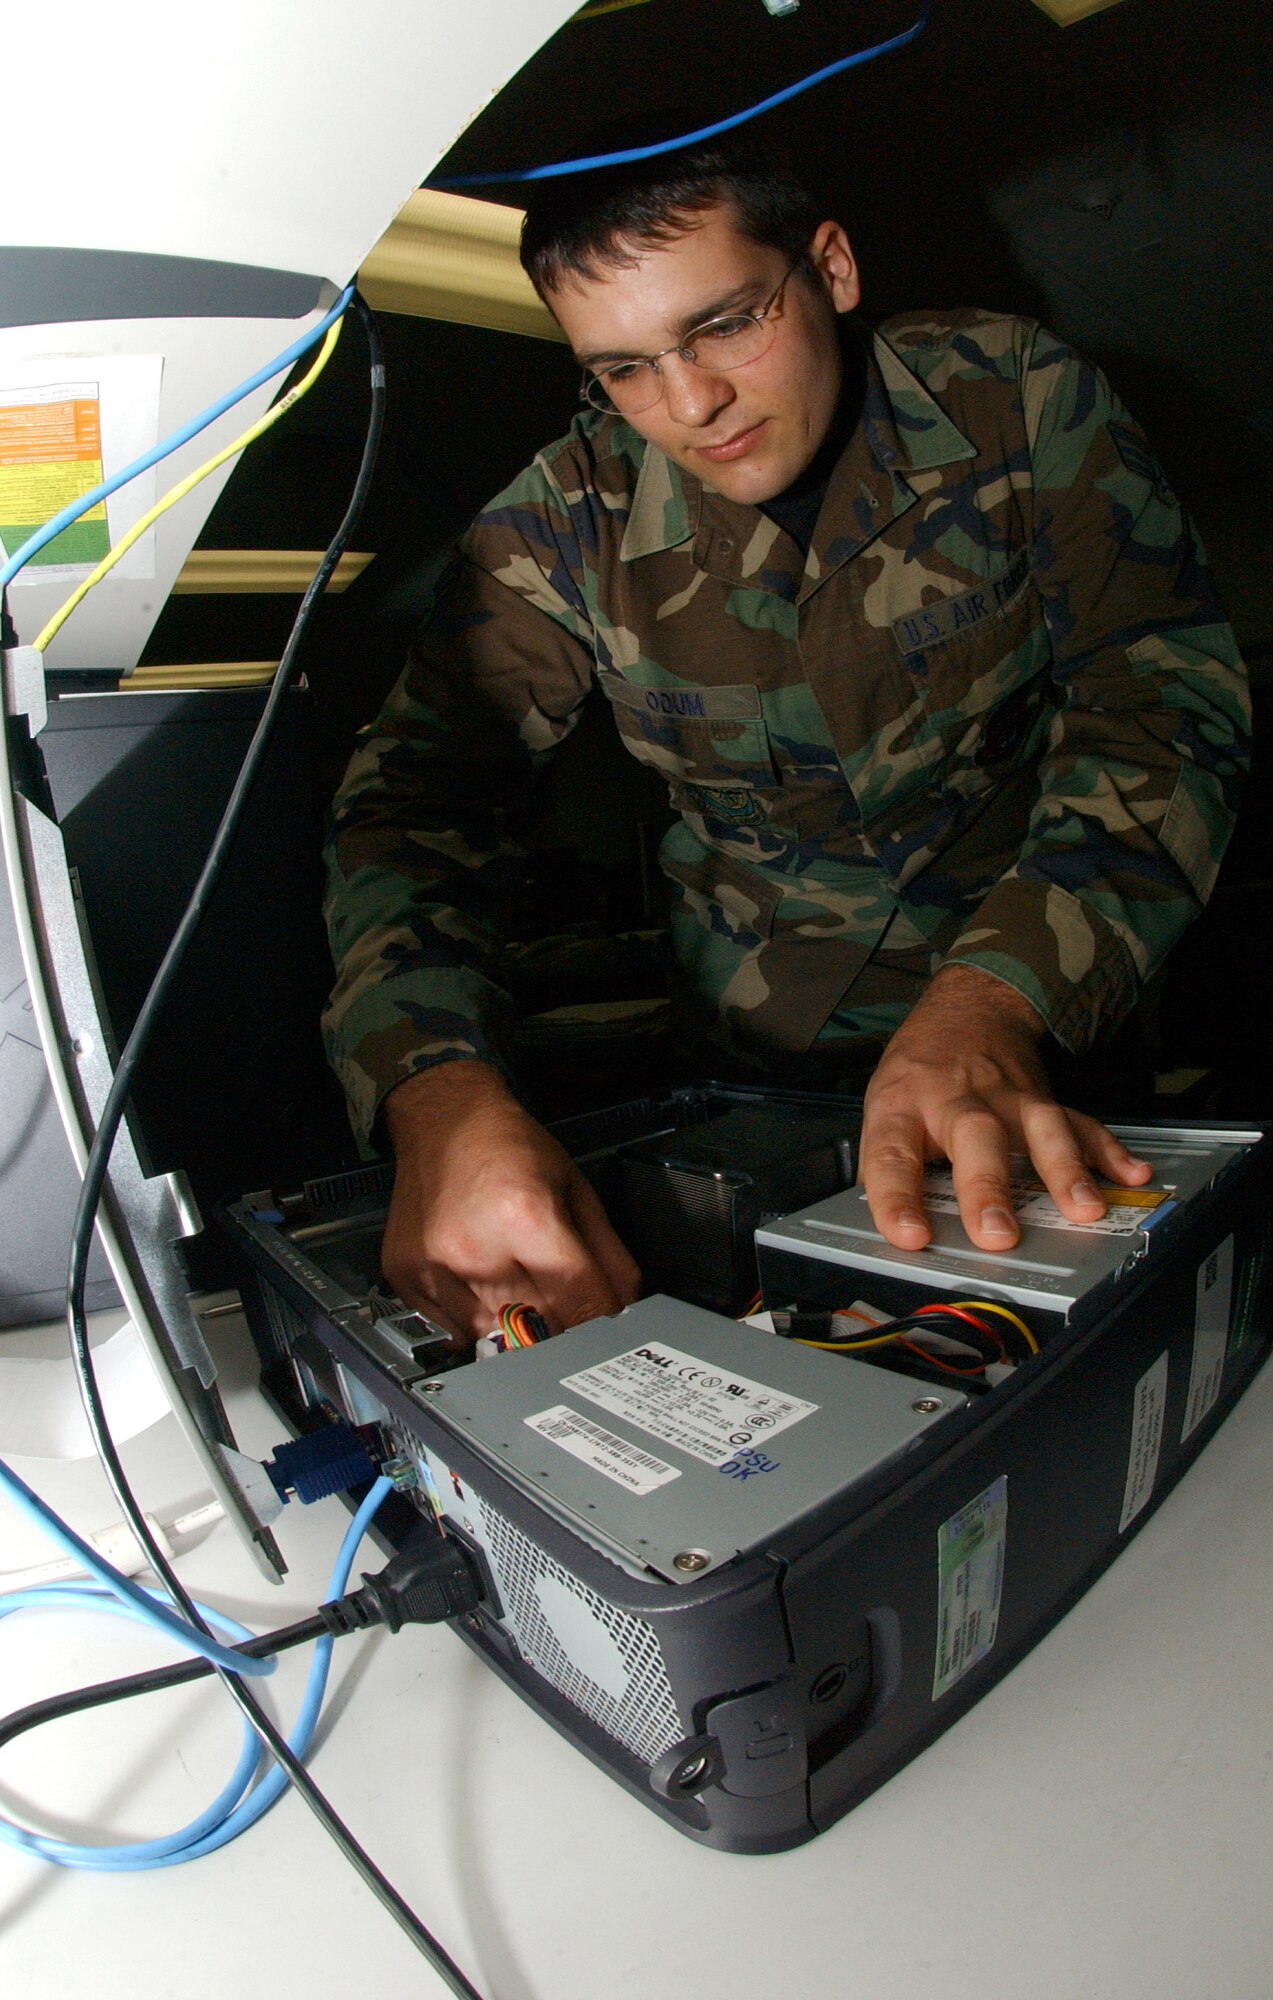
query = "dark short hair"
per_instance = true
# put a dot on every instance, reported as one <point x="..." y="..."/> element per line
<point x="579" y="223"/>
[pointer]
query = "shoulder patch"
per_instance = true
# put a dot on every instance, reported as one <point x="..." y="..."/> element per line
<point x="935" y="331"/>
<point x="1140" y="461"/>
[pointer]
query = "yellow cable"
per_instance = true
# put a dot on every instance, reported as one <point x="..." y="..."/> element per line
<point x="845" y="1346"/>
<point x="187" y="485"/>
<point x="989" y="1306"/>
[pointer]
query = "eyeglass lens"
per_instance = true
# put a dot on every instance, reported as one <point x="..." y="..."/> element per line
<point x="722" y="344"/>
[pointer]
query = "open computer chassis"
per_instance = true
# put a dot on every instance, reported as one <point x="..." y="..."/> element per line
<point x="823" y="1646"/>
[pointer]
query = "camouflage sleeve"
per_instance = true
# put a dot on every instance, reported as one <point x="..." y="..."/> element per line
<point x="1140" y="780"/>
<point x="422" y="859"/>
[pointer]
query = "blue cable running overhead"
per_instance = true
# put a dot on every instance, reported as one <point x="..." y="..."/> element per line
<point x="705" y="132"/>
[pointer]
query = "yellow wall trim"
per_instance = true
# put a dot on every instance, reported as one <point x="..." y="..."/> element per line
<point x="222" y="674"/>
<point x="261" y="572"/>
<point x="445" y="256"/>
<point x="1066" y="12"/>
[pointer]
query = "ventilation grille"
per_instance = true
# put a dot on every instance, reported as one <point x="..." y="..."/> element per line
<point x="355" y="1185"/>
<point x="672" y="1196"/>
<point x="643" y="1718"/>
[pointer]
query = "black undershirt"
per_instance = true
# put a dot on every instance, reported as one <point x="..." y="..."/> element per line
<point x="797" y="507"/>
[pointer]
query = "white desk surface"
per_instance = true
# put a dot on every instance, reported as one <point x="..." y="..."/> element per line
<point x="1100" y="1827"/>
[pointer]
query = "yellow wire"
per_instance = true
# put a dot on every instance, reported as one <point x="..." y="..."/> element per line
<point x="882" y="1340"/>
<point x="846" y="1346"/>
<point x="187" y="485"/>
<point x="511" y="1328"/>
<point x="989" y="1306"/>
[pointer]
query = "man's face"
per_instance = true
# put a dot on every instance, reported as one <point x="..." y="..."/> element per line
<point x="751" y="432"/>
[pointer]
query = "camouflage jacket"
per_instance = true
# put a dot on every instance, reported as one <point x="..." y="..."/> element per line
<point x="995" y="718"/>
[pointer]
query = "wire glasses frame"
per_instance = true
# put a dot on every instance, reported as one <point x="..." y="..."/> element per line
<point x="625" y="388"/>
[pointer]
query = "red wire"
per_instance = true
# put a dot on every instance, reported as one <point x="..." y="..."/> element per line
<point x="933" y="1362"/>
<point x="957" y="1312"/>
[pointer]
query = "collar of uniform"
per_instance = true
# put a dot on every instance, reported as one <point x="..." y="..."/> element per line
<point x="906" y="429"/>
<point x="901" y="429"/>
<point x="664" y="507"/>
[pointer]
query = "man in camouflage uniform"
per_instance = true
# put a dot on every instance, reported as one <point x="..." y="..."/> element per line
<point x="930" y="660"/>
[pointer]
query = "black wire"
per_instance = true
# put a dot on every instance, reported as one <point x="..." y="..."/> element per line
<point x="98" y="1161"/>
<point x="54" y="1707"/>
<point x="978" y="1339"/>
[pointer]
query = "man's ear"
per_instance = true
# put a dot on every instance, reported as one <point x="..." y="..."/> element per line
<point x="832" y="258"/>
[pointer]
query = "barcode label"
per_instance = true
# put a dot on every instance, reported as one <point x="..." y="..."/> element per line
<point x="630" y="1467"/>
<point x="1148" y="1407"/>
<point x="970" y="1553"/>
<point x="1214" y="1292"/>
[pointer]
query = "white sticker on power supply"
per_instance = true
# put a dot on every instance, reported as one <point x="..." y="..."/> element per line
<point x="707" y="1412"/>
<point x="1147" y="1419"/>
<point x="1210" y="1334"/>
<point x="639" y="1471"/>
<point x="970" y="1552"/>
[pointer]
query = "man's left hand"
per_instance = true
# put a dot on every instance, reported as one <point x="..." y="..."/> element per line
<point x="963" y="1080"/>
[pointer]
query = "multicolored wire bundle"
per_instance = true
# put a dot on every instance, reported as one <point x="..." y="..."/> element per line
<point x="521" y="1326"/>
<point x="966" y="1343"/>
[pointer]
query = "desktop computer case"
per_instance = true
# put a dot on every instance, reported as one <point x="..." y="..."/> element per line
<point x="756" y="1704"/>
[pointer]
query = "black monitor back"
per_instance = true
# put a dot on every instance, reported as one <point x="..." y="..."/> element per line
<point x="235" y="1089"/>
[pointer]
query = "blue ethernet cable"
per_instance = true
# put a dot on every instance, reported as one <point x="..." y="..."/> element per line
<point x="114" y="1583"/>
<point x="704" y="132"/>
<point x="175" y="439"/>
<point x="240" y="1803"/>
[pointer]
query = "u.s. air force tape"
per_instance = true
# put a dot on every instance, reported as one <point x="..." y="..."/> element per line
<point x="707" y="704"/>
<point x="949" y="616"/>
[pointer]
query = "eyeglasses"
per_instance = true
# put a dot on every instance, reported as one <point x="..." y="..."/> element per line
<point x="625" y="388"/>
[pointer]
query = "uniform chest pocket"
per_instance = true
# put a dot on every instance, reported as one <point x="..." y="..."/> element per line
<point x="977" y="669"/>
<point x="709" y="737"/>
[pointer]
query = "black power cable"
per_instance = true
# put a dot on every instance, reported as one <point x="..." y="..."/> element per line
<point x="56" y="1706"/>
<point x="430" y="1579"/>
<point x="98" y="1161"/>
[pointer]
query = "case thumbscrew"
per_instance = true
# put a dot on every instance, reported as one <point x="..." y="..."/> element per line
<point x="688" y="1768"/>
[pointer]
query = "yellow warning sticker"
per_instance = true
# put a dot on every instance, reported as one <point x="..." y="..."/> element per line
<point x="51" y="456"/>
<point x="1121" y="1197"/>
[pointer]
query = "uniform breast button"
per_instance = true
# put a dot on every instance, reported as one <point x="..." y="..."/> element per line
<point x="725" y="546"/>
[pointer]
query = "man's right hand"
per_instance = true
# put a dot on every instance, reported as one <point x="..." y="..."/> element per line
<point x="488" y="1210"/>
